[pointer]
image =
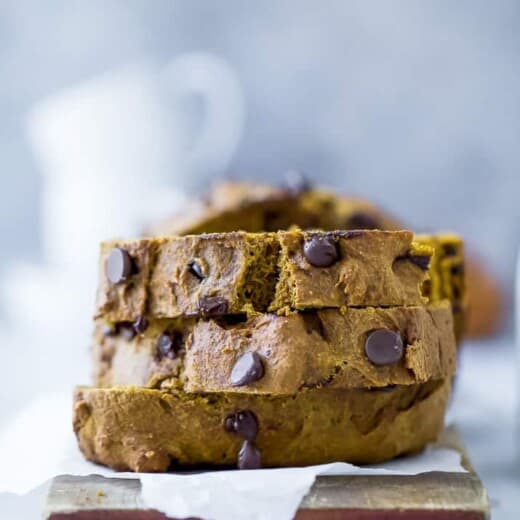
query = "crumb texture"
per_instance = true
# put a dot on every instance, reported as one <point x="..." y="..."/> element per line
<point x="155" y="430"/>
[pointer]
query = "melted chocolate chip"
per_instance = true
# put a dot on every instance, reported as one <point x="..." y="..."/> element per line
<point x="127" y="330"/>
<point x="249" y="456"/>
<point x="196" y="270"/>
<point x="321" y="251"/>
<point x="362" y="220"/>
<point x="169" y="344"/>
<point x="243" y="423"/>
<point x="119" y="266"/>
<point x="247" y="369"/>
<point x="210" y="306"/>
<point x="384" y="347"/>
<point x="140" y="324"/>
<point x="296" y="182"/>
<point x="423" y="261"/>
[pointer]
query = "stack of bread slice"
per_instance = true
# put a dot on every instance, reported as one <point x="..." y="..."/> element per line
<point x="269" y="346"/>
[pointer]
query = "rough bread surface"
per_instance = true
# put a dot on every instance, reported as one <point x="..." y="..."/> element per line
<point x="256" y="272"/>
<point x="151" y="430"/>
<point x="313" y="349"/>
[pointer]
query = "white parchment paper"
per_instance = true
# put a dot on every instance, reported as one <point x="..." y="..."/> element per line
<point x="39" y="445"/>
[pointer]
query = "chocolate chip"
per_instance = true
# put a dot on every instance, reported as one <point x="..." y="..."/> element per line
<point x="110" y="330"/>
<point x="243" y="423"/>
<point x="140" y="324"/>
<point x="247" y="369"/>
<point x="296" y="182"/>
<point x="229" y="424"/>
<point x="384" y="347"/>
<point x="169" y="344"/>
<point x="321" y="251"/>
<point x="450" y="250"/>
<point x="210" y="306"/>
<point x="423" y="261"/>
<point x="456" y="307"/>
<point x="196" y="270"/>
<point x="457" y="269"/>
<point x="249" y="456"/>
<point x="383" y="389"/>
<point x="362" y="220"/>
<point x="119" y="266"/>
<point x="126" y="329"/>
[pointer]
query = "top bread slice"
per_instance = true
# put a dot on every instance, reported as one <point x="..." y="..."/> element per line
<point x="233" y="273"/>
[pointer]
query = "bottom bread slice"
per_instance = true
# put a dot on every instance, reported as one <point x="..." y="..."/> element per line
<point x="146" y="430"/>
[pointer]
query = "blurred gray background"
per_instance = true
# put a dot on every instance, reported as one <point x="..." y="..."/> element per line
<point x="414" y="104"/>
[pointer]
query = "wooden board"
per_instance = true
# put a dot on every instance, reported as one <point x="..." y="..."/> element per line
<point x="429" y="496"/>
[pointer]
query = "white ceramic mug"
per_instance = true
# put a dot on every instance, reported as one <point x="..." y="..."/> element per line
<point x="115" y="151"/>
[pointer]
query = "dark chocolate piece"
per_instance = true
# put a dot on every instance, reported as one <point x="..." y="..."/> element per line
<point x="449" y="250"/>
<point x="321" y="251"/>
<point x="362" y="220"/>
<point x="247" y="369"/>
<point x="140" y="324"/>
<point x="423" y="261"/>
<point x="210" y="306"/>
<point x="384" y="347"/>
<point x="457" y="269"/>
<point x="127" y="330"/>
<point x="110" y="329"/>
<point x="169" y="344"/>
<point x="119" y="266"/>
<point x="243" y="423"/>
<point x="196" y="270"/>
<point x="249" y="456"/>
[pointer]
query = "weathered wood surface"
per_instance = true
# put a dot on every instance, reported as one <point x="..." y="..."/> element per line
<point x="429" y="496"/>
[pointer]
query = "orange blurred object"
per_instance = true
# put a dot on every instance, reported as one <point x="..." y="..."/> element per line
<point x="485" y="300"/>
